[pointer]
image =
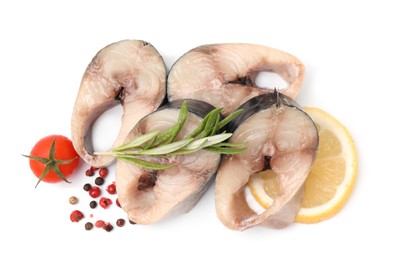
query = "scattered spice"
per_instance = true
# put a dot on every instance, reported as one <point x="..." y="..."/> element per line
<point x="76" y="216"/>
<point x="87" y="187"/>
<point x="108" y="227"/>
<point x="93" y="204"/>
<point x="73" y="200"/>
<point x="88" y="225"/>
<point x="118" y="203"/>
<point x="103" y="172"/>
<point x="89" y="173"/>
<point x="111" y="189"/>
<point x="94" y="192"/>
<point x="99" y="181"/>
<point x="105" y="202"/>
<point x="93" y="168"/>
<point x="120" y="222"/>
<point x="100" y="224"/>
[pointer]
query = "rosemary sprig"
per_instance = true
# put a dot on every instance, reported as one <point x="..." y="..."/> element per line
<point x="164" y="144"/>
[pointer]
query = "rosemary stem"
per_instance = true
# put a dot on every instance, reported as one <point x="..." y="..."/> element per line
<point x="109" y="153"/>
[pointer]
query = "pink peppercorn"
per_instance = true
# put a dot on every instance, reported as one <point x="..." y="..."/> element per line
<point x="100" y="224"/>
<point x="111" y="189"/>
<point x="105" y="202"/>
<point x="103" y="172"/>
<point x="76" y="216"/>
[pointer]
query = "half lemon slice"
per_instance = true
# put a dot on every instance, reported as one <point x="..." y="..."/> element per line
<point x="331" y="179"/>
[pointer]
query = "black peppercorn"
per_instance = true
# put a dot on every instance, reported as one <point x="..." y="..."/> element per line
<point x="87" y="187"/>
<point x="88" y="225"/>
<point x="99" y="181"/>
<point x="93" y="204"/>
<point x="108" y="227"/>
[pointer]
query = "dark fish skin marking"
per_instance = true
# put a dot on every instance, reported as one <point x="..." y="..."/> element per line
<point x="259" y="103"/>
<point x="245" y="80"/>
<point x="120" y="95"/>
<point x="147" y="181"/>
<point x="206" y="49"/>
<point x="199" y="108"/>
<point x="267" y="163"/>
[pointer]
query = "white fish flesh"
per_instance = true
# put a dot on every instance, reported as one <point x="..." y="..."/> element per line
<point x="224" y="75"/>
<point x="279" y="136"/>
<point x="150" y="196"/>
<point x="129" y="72"/>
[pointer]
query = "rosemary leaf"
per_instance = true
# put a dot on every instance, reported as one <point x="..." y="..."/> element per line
<point x="167" y="148"/>
<point x="200" y="128"/>
<point x="227" y="144"/>
<point x="224" y="150"/>
<point x="229" y="118"/>
<point x="143" y="163"/>
<point x="137" y="142"/>
<point x="201" y="144"/>
<point x="187" y="151"/>
<point x="208" y="141"/>
<point x="211" y="122"/>
<point x="169" y="135"/>
<point x="216" y="123"/>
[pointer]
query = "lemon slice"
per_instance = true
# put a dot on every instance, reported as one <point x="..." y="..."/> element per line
<point x="331" y="179"/>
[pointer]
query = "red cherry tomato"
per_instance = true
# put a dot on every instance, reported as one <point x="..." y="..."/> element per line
<point x="63" y="151"/>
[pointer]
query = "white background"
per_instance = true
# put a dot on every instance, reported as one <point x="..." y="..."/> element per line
<point x="351" y="51"/>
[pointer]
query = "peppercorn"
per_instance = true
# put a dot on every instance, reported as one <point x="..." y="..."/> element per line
<point x="108" y="227"/>
<point x="88" y="225"/>
<point x="120" y="222"/>
<point x="76" y="216"/>
<point x="118" y="203"/>
<point x="105" y="202"/>
<point x="94" y="192"/>
<point x="87" y="187"/>
<point x="99" y="181"/>
<point x="100" y="224"/>
<point x="111" y="189"/>
<point x="89" y="173"/>
<point x="103" y="172"/>
<point x="93" y="204"/>
<point x="73" y="200"/>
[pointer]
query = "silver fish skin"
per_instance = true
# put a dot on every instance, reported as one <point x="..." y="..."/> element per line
<point x="224" y="75"/>
<point x="130" y="73"/>
<point x="150" y="196"/>
<point x="279" y="136"/>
